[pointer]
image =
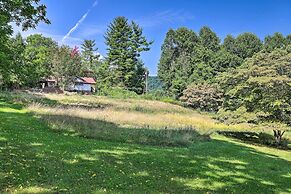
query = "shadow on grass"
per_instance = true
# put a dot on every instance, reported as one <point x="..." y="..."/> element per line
<point x="34" y="158"/>
<point x="104" y="130"/>
<point x="24" y="98"/>
<point x="260" y="138"/>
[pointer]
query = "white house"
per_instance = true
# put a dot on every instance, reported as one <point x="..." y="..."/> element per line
<point x="84" y="84"/>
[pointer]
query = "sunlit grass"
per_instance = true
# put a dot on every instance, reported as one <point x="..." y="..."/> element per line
<point x="136" y="113"/>
<point x="36" y="159"/>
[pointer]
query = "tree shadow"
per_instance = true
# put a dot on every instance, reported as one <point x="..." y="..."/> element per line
<point x="108" y="131"/>
<point x="259" y="138"/>
<point x="33" y="156"/>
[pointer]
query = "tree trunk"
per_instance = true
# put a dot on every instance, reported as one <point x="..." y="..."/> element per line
<point x="278" y="136"/>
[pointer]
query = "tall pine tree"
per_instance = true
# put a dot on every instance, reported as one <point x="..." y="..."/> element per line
<point x="90" y="58"/>
<point x="125" y="42"/>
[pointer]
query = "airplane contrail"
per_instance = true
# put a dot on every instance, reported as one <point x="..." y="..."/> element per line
<point x="80" y="21"/>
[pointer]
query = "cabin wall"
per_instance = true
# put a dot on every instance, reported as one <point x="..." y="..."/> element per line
<point x="81" y="87"/>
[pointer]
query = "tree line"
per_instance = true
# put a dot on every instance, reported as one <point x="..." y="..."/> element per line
<point x="239" y="77"/>
<point x="25" y="61"/>
<point x="242" y="78"/>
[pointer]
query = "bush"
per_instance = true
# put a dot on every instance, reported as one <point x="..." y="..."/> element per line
<point x="202" y="96"/>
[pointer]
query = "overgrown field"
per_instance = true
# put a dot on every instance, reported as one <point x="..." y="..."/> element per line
<point x="89" y="144"/>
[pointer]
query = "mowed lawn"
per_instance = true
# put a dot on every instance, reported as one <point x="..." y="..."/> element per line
<point x="35" y="158"/>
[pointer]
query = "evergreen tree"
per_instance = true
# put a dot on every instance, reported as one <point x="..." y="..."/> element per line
<point x="167" y="57"/>
<point x="124" y="43"/>
<point x="118" y="46"/>
<point x="209" y="39"/>
<point x="90" y="58"/>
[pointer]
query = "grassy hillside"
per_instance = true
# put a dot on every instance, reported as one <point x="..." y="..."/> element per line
<point x="55" y="144"/>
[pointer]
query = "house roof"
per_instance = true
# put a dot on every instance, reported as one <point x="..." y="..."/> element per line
<point x="88" y="80"/>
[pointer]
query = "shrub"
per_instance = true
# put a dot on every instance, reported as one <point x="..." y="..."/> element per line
<point x="202" y="96"/>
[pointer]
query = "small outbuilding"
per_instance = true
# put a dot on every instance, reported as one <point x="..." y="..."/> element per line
<point x="48" y="83"/>
<point x="84" y="84"/>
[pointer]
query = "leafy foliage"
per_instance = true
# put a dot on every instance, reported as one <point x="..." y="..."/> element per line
<point x="187" y="58"/>
<point x="27" y="13"/>
<point x="275" y="41"/>
<point x="65" y="66"/>
<point x="262" y="84"/>
<point x="38" y="57"/>
<point x="247" y="44"/>
<point x="202" y="96"/>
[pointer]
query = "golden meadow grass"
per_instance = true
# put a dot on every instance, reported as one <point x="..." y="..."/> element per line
<point x="108" y="118"/>
<point x="133" y="113"/>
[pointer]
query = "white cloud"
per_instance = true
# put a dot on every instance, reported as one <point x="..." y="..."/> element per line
<point x="79" y="22"/>
<point x="168" y="16"/>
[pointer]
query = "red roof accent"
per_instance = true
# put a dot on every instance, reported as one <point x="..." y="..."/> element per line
<point x="88" y="80"/>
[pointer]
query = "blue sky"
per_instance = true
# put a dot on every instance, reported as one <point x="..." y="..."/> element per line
<point x="261" y="17"/>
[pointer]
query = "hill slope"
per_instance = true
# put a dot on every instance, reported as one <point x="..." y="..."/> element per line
<point x="36" y="158"/>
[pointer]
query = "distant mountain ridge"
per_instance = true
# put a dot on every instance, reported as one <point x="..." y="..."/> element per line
<point x="154" y="83"/>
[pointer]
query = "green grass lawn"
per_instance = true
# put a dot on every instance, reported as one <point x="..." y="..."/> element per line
<point x="36" y="159"/>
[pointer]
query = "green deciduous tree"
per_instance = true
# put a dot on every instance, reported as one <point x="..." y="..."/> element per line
<point x="176" y="61"/>
<point x="66" y="66"/>
<point x="247" y="44"/>
<point x="24" y="13"/>
<point x="168" y="55"/>
<point x="27" y="13"/>
<point x="223" y="60"/>
<point x="17" y="72"/>
<point x="288" y="39"/>
<point x="262" y="85"/>
<point x="275" y="41"/>
<point x="38" y="55"/>
<point x="229" y="44"/>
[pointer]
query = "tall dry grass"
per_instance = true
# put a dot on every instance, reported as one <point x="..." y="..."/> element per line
<point x="126" y="120"/>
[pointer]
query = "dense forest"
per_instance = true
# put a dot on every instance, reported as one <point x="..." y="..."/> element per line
<point x="244" y="78"/>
